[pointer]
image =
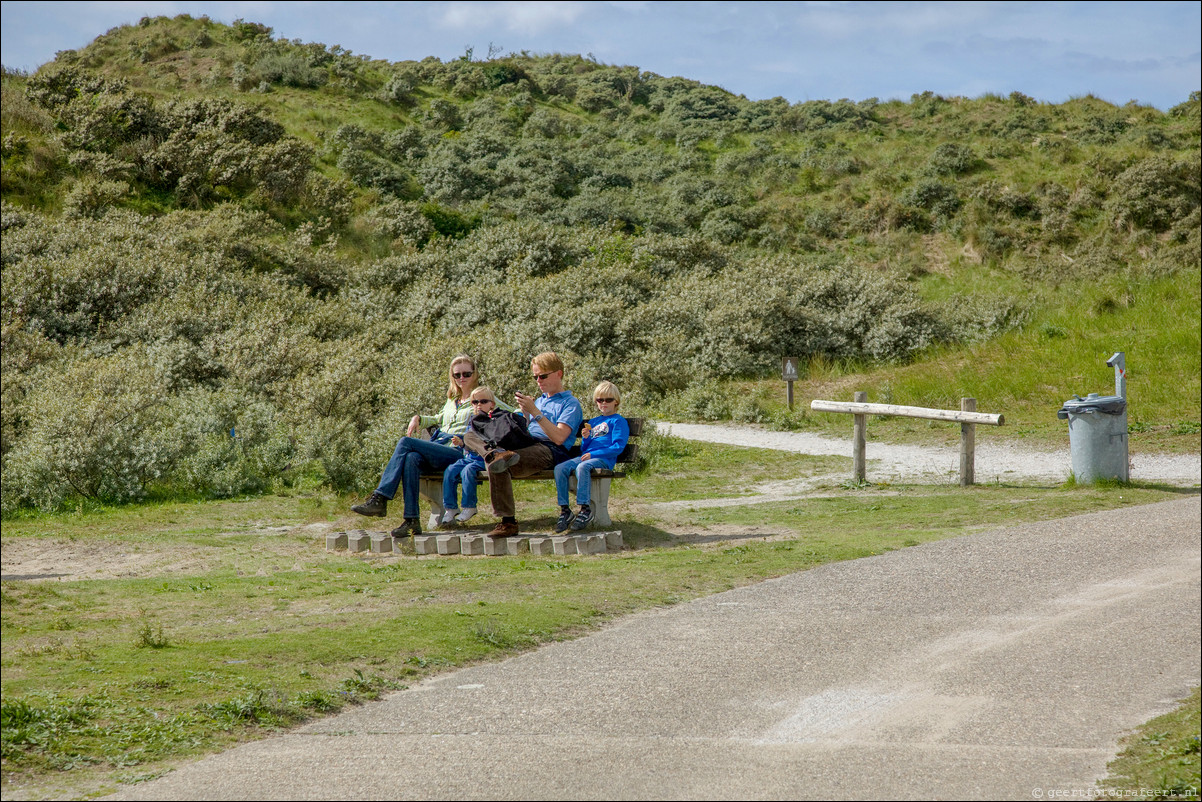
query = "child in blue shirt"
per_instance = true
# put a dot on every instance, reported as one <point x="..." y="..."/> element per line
<point x="603" y="439"/>
<point x="466" y="469"/>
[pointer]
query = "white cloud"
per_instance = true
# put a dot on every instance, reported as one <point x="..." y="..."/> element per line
<point x="529" y="18"/>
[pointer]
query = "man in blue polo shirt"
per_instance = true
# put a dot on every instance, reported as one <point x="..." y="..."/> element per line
<point x="553" y="418"/>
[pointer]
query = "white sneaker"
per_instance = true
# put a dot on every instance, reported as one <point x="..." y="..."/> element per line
<point x="467" y="514"/>
<point x="449" y="516"/>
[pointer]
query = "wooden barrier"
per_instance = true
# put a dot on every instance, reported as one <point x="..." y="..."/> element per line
<point x="967" y="416"/>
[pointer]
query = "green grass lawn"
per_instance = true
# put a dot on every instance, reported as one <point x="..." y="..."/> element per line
<point x="207" y="623"/>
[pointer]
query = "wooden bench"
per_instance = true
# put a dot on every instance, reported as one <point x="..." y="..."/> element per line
<point x="431" y="484"/>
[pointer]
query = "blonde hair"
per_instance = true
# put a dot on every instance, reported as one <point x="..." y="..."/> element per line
<point x="548" y="361"/>
<point x="484" y="393"/>
<point x="608" y="390"/>
<point x="452" y="387"/>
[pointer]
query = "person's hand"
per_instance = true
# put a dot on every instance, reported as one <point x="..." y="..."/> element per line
<point x="457" y="441"/>
<point x="586" y="430"/>
<point x="413" y="425"/>
<point x="586" y="457"/>
<point x="525" y="403"/>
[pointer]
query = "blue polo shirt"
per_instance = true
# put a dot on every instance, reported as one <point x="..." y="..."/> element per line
<point x="559" y="408"/>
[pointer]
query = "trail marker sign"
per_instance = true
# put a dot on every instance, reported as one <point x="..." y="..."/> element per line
<point x="788" y="372"/>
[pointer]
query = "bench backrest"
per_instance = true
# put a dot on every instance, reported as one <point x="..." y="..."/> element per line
<point x="631" y="452"/>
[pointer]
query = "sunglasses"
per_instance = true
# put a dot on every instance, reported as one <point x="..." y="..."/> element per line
<point x="466" y="375"/>
<point x="479" y="401"/>
<point x="604" y="400"/>
<point x="541" y="376"/>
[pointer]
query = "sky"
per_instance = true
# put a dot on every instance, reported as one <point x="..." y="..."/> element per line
<point x="1146" y="52"/>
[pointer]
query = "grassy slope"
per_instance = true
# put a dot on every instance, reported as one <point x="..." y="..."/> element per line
<point x="1026" y="374"/>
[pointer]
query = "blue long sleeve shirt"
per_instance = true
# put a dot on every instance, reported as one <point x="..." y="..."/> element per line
<point x="607" y="438"/>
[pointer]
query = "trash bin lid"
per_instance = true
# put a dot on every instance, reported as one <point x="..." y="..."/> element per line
<point x="1093" y="403"/>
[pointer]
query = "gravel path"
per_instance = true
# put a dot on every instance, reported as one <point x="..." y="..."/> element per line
<point x="886" y="462"/>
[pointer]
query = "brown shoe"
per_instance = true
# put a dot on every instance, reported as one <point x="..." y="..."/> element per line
<point x="502" y="461"/>
<point x="504" y="529"/>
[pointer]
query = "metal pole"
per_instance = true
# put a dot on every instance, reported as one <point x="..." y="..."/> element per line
<point x="968" y="444"/>
<point x="859" y="441"/>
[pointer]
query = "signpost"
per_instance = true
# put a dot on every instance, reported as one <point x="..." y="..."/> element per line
<point x="788" y="372"/>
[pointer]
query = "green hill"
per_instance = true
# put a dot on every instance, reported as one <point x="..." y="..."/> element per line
<point x="207" y="229"/>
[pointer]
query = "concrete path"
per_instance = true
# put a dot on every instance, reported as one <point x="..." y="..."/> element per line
<point x="1004" y="665"/>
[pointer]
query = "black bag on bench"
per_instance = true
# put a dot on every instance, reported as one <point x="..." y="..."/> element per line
<point x="502" y="430"/>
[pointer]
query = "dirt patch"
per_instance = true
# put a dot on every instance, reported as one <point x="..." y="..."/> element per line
<point x="71" y="560"/>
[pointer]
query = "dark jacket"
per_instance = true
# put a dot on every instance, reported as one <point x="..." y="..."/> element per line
<point x="503" y="430"/>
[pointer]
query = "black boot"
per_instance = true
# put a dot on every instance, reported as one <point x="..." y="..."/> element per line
<point x="409" y="527"/>
<point x="376" y="506"/>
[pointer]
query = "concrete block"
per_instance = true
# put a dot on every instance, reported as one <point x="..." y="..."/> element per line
<point x="447" y="544"/>
<point x="591" y="544"/>
<point x="381" y="544"/>
<point x="471" y="544"/>
<point x="613" y="541"/>
<point x="541" y="545"/>
<point x="336" y="541"/>
<point x="425" y="544"/>
<point x="517" y="545"/>
<point x="564" y="545"/>
<point x="495" y="546"/>
<point x="358" y="541"/>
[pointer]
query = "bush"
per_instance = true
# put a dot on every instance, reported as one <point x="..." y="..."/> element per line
<point x="231" y="444"/>
<point x="98" y="429"/>
<point x="933" y="195"/>
<point x="952" y="159"/>
<point x="1156" y="192"/>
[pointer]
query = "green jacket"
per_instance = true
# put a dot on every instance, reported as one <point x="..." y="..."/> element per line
<point x="454" y="417"/>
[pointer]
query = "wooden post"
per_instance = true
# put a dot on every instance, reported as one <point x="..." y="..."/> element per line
<point x="789" y="373"/>
<point x="968" y="444"/>
<point x="859" y="441"/>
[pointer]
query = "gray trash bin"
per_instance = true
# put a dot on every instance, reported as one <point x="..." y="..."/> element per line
<point x="1097" y="430"/>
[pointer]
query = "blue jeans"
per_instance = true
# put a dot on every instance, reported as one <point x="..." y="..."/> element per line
<point x="584" y="488"/>
<point x="464" y="471"/>
<point x="411" y="457"/>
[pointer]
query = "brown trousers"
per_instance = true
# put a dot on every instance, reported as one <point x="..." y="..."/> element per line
<point x="535" y="458"/>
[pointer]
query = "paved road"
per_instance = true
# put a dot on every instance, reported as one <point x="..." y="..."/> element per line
<point x="1004" y="665"/>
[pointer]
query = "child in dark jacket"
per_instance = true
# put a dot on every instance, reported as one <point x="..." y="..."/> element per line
<point x="603" y="439"/>
<point x="467" y="468"/>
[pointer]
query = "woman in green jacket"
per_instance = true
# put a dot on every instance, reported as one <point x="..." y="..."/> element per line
<point x="413" y="456"/>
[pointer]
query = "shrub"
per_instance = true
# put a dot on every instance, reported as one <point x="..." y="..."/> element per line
<point x="400" y="220"/>
<point x="90" y="197"/>
<point x="933" y="195"/>
<point x="98" y="429"/>
<point x="1156" y="192"/>
<point x="952" y="159"/>
<point x="401" y="86"/>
